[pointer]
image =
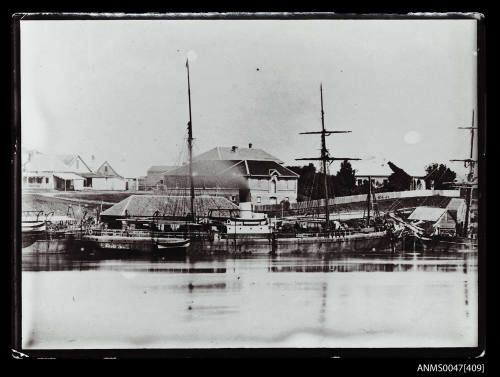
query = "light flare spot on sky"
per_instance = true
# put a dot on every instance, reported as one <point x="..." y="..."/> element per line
<point x="412" y="137"/>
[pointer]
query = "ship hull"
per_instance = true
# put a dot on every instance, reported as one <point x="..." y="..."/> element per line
<point x="53" y="243"/>
<point x="134" y="244"/>
<point x="242" y="244"/>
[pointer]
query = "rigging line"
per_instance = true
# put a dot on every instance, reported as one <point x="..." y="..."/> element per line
<point x="312" y="187"/>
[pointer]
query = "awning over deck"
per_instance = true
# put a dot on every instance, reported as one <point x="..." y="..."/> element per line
<point x="427" y="214"/>
<point x="68" y="176"/>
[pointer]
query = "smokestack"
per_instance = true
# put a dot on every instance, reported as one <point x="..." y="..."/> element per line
<point x="250" y="145"/>
<point x="233" y="148"/>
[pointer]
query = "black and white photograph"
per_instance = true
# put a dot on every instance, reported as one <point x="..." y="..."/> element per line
<point x="249" y="182"/>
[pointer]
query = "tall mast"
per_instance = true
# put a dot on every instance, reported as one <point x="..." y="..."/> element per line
<point x="470" y="163"/>
<point x="190" y="146"/>
<point x="325" y="154"/>
<point x="369" y="200"/>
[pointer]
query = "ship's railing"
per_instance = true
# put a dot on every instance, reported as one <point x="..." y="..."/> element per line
<point x="145" y="233"/>
<point x="298" y="235"/>
<point x="333" y="234"/>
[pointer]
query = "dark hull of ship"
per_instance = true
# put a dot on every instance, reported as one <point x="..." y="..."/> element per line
<point x="31" y="236"/>
<point x="367" y="242"/>
<point x="242" y="244"/>
<point x="377" y="241"/>
<point x="133" y="245"/>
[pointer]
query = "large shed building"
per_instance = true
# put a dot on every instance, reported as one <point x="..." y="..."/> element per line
<point x="149" y="207"/>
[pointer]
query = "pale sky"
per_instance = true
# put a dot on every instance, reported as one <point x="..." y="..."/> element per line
<point x="118" y="89"/>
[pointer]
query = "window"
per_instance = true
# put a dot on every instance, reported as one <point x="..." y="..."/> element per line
<point x="233" y="198"/>
<point x="273" y="186"/>
<point x="46" y="179"/>
<point x="106" y="170"/>
<point x="259" y="199"/>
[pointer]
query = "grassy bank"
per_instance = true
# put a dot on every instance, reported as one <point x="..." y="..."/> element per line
<point x="59" y="206"/>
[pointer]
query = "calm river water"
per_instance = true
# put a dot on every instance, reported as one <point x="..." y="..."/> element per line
<point x="337" y="301"/>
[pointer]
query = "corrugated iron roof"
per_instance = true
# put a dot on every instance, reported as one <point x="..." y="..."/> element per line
<point x="51" y="163"/>
<point x="227" y="153"/>
<point x="204" y="182"/>
<point x="203" y="168"/>
<point x="89" y="175"/>
<point x="147" y="205"/>
<point x="233" y="168"/>
<point x="44" y="162"/>
<point x="427" y="214"/>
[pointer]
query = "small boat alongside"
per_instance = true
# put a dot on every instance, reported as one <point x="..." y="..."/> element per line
<point x="169" y="244"/>
<point x="33" y="226"/>
<point x="45" y="228"/>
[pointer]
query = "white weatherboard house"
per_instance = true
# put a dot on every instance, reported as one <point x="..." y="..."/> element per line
<point x="67" y="173"/>
<point x="105" y="178"/>
<point x="61" y="172"/>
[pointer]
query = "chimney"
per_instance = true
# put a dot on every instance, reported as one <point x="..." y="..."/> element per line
<point x="249" y="145"/>
<point x="234" y="148"/>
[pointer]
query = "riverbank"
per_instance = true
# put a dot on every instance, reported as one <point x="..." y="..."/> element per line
<point x="71" y="204"/>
